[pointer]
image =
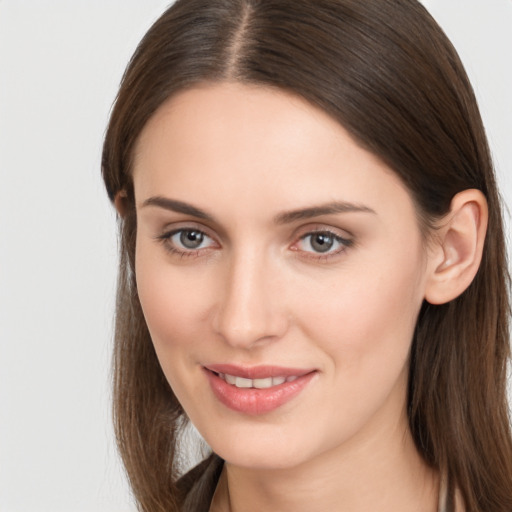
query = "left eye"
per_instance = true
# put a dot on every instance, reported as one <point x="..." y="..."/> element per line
<point x="190" y="239"/>
<point x="322" y="242"/>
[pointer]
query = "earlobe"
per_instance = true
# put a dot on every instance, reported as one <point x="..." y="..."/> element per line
<point x="459" y="243"/>
<point x="120" y="203"/>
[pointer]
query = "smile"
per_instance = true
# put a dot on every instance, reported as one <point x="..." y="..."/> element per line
<point x="256" y="390"/>
<point x="269" y="382"/>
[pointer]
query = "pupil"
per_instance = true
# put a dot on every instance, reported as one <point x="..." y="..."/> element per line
<point x="191" y="239"/>
<point x="322" y="242"/>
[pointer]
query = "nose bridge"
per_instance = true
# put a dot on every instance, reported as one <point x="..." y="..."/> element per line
<point x="247" y="313"/>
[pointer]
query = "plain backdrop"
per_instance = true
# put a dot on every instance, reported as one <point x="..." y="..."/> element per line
<point x="60" y="65"/>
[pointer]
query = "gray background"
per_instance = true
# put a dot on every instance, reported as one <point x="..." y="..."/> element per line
<point x="60" y="64"/>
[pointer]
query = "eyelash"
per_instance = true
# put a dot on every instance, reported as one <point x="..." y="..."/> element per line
<point x="344" y="244"/>
<point x="166" y="240"/>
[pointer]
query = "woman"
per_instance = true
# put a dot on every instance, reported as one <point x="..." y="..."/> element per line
<point x="312" y="263"/>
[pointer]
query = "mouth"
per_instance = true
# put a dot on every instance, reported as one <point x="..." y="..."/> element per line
<point x="256" y="390"/>
<point x="265" y="383"/>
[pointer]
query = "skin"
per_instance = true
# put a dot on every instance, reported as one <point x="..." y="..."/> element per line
<point x="256" y="292"/>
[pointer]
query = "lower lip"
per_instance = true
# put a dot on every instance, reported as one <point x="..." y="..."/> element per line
<point x="254" y="401"/>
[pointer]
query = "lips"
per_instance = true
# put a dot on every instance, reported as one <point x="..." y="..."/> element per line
<point x="256" y="390"/>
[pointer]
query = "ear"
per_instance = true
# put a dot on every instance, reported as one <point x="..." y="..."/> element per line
<point x="120" y="200"/>
<point x="457" y="247"/>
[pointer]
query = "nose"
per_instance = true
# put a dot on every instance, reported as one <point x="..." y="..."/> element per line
<point x="250" y="310"/>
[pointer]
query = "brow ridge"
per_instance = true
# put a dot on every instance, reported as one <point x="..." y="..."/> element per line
<point x="324" y="209"/>
<point x="331" y="208"/>
<point x="177" y="206"/>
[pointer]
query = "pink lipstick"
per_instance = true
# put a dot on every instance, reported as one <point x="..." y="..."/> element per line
<point x="258" y="389"/>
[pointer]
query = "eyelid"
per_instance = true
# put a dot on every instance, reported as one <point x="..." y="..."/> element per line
<point x="343" y="237"/>
<point x="323" y="228"/>
<point x="176" y="227"/>
<point x="170" y="231"/>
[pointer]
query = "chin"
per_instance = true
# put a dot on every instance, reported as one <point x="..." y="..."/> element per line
<point x="259" y="450"/>
<point x="262" y="461"/>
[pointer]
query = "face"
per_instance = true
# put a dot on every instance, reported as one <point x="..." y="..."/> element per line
<point x="280" y="268"/>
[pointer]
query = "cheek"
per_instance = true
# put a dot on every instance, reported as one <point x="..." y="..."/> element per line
<point x="171" y="303"/>
<point x="365" y="320"/>
<point x="364" y="324"/>
<point x="172" y="307"/>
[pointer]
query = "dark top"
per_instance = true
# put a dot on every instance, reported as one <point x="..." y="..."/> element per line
<point x="199" y="484"/>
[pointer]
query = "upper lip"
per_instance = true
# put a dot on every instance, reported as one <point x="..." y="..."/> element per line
<point x="258" y="372"/>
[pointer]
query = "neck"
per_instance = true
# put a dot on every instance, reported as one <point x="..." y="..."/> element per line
<point x="380" y="471"/>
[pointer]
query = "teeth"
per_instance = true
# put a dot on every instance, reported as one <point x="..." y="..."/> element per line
<point x="262" y="383"/>
<point x="230" y="379"/>
<point x="241" y="382"/>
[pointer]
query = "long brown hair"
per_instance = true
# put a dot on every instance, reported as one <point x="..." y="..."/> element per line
<point x="386" y="71"/>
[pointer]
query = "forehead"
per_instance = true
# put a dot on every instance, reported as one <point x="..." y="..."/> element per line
<point x="252" y="116"/>
<point x="239" y="141"/>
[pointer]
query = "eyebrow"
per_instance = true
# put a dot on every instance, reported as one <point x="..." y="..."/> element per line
<point x="317" y="211"/>
<point x="177" y="206"/>
<point x="282" y="218"/>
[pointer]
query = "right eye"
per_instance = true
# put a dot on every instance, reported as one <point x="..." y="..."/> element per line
<point x="322" y="242"/>
<point x="187" y="241"/>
